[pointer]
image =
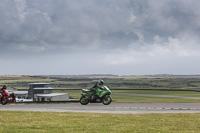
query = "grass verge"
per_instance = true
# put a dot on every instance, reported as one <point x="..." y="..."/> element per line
<point x="148" y="99"/>
<point x="143" y="99"/>
<point x="32" y="122"/>
<point x="155" y="92"/>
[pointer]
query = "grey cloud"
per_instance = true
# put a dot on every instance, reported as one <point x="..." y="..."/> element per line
<point x="166" y="18"/>
<point x="127" y="32"/>
<point x="68" y="22"/>
<point x="78" y="23"/>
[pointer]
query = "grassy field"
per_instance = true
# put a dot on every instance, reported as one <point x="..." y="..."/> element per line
<point x="148" y="99"/>
<point x="49" y="122"/>
<point x="143" y="99"/>
<point x="153" y="92"/>
<point x="184" y="82"/>
<point x="156" y="92"/>
<point x="154" y="84"/>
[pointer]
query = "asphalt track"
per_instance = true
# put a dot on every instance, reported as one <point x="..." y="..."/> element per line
<point x="121" y="108"/>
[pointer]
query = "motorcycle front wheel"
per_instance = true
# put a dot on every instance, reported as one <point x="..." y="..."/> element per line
<point x="107" y="100"/>
<point x="4" y="101"/>
<point x="84" y="100"/>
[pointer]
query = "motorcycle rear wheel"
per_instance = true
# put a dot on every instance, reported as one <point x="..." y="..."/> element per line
<point x="84" y="100"/>
<point x="4" y="101"/>
<point x="107" y="100"/>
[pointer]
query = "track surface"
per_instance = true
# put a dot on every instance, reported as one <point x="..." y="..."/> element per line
<point x="122" y="108"/>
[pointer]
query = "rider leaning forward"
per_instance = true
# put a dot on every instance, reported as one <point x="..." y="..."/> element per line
<point x="99" y="84"/>
<point x="4" y="91"/>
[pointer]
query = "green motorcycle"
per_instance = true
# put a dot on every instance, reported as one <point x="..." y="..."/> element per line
<point x="96" y="97"/>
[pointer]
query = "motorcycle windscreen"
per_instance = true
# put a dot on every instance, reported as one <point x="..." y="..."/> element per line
<point x="86" y="90"/>
<point x="107" y="89"/>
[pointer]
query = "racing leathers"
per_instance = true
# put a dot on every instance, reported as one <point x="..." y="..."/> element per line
<point x="4" y="92"/>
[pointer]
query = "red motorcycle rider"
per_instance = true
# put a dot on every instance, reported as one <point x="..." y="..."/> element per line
<point x="6" y="97"/>
<point x="4" y="92"/>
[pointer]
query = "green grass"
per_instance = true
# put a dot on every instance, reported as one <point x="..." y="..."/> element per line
<point x="145" y="99"/>
<point x="191" y="82"/>
<point x="49" y="122"/>
<point x="154" y="92"/>
<point x="148" y="99"/>
<point x="24" y="81"/>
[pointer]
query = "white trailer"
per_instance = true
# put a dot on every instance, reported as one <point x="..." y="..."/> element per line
<point x="52" y="97"/>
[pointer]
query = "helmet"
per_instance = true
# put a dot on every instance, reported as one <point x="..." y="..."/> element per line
<point x="101" y="82"/>
<point x="4" y="87"/>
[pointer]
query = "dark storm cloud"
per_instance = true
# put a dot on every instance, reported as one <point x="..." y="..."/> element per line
<point x="46" y="25"/>
<point x="49" y="24"/>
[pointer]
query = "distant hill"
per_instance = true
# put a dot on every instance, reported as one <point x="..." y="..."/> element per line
<point x="79" y="76"/>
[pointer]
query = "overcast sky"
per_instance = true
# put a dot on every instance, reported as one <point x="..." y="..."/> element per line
<point x="124" y="37"/>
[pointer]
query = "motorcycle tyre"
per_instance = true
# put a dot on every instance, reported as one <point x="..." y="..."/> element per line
<point x="4" y="101"/>
<point x="84" y="103"/>
<point x="108" y="102"/>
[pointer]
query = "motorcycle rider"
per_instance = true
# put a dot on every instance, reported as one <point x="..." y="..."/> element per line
<point x="3" y="91"/>
<point x="6" y="94"/>
<point x="3" y="88"/>
<point x="99" y="84"/>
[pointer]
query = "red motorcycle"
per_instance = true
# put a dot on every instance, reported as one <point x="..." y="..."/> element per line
<point x="6" y="97"/>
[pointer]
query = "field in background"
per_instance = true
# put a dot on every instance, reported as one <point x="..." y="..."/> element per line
<point x="174" y="85"/>
<point x="43" y="122"/>
<point x="141" y="99"/>
<point x="172" y="82"/>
